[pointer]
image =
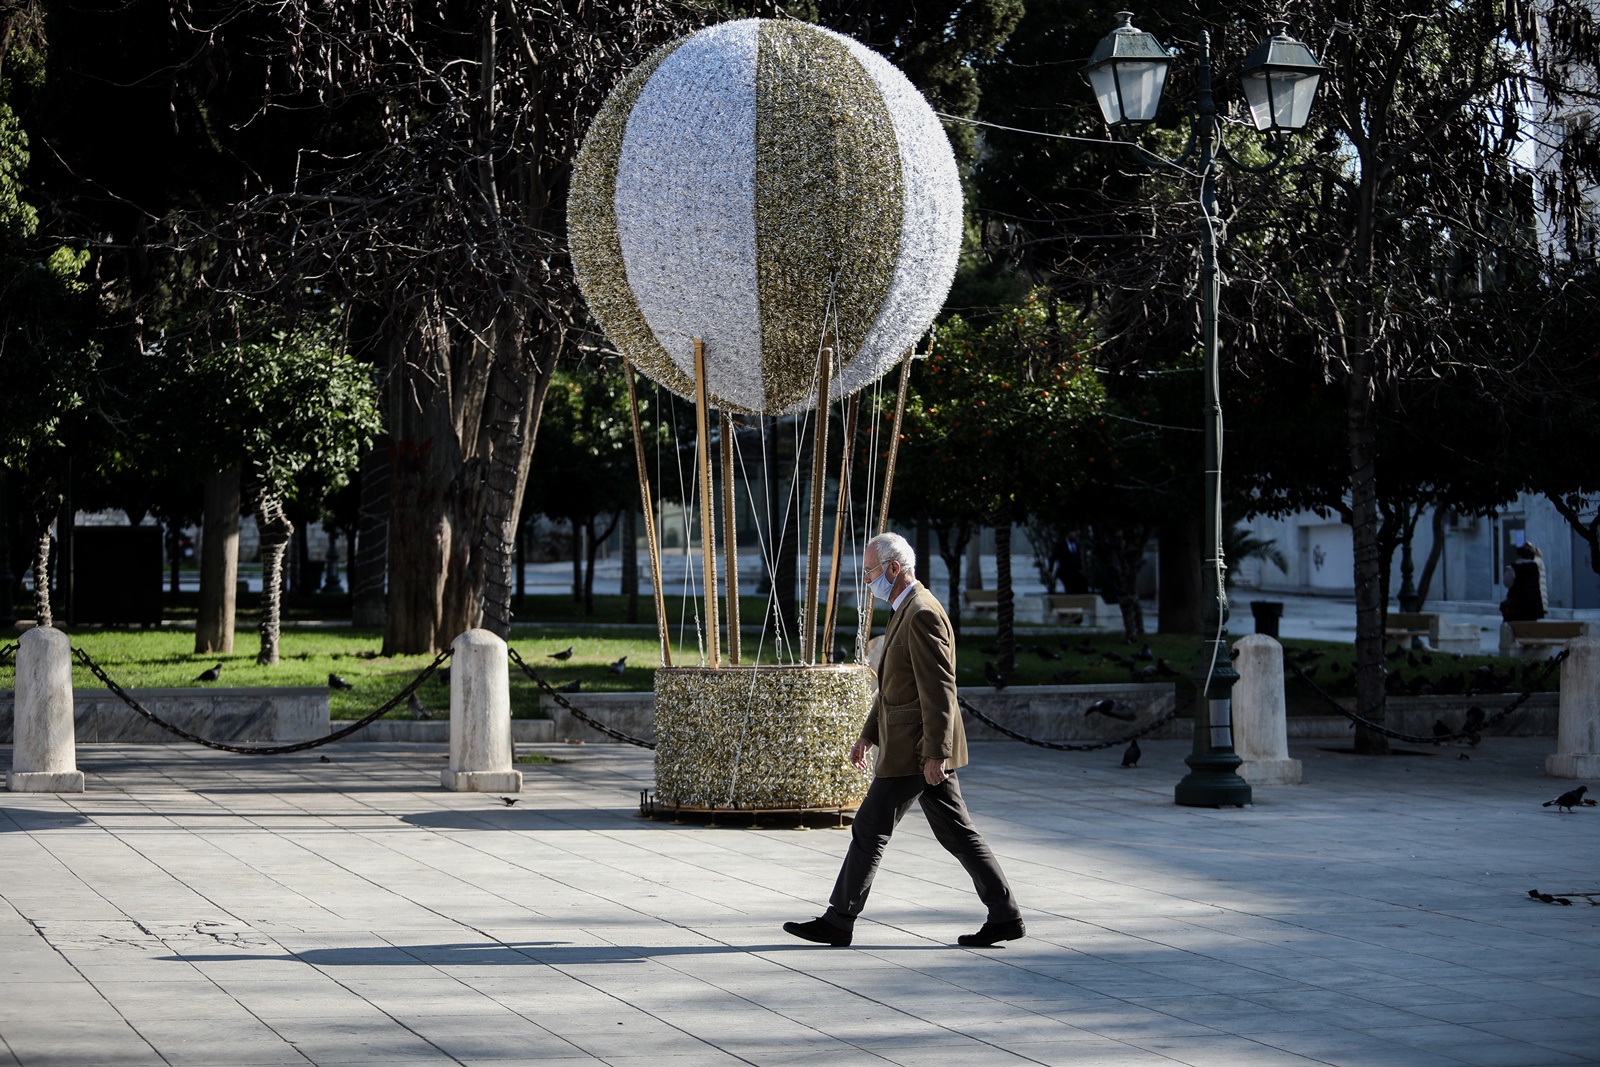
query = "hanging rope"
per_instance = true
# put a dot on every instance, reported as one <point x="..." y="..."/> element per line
<point x="574" y="712"/>
<point x="1065" y="746"/>
<point x="1418" y="739"/>
<point x="259" y="750"/>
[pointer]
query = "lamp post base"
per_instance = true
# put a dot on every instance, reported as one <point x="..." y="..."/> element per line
<point x="1213" y="782"/>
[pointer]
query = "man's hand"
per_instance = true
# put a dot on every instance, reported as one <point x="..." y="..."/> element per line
<point x="858" y="754"/>
<point x="933" y="771"/>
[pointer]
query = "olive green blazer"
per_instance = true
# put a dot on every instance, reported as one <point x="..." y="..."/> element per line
<point x="915" y="716"/>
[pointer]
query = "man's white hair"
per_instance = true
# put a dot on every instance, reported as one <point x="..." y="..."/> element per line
<point x="894" y="548"/>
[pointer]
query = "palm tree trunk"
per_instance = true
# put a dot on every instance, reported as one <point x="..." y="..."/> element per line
<point x="41" y="579"/>
<point x="1005" y="614"/>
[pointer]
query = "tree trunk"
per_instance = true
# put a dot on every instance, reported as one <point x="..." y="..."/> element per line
<point x="1361" y="425"/>
<point x="580" y="526"/>
<point x="975" y="559"/>
<point x="276" y="532"/>
<point x="630" y="561"/>
<point x="1435" y="552"/>
<point x="953" y="539"/>
<point x="1005" y="614"/>
<point x="1179" y="563"/>
<point x="432" y="490"/>
<point x="41" y="579"/>
<point x="921" y="546"/>
<point x="520" y="380"/>
<point x="219" y="563"/>
<point x="369" y="563"/>
<point x="592" y="549"/>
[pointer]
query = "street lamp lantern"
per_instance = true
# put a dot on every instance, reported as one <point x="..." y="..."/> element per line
<point x="1127" y="71"/>
<point x="1280" y="79"/>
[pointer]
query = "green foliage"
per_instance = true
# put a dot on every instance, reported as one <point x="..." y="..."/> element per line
<point x="1004" y="412"/>
<point x="585" y="464"/>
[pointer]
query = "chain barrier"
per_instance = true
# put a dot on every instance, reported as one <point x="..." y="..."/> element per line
<point x="260" y="750"/>
<point x="1417" y="739"/>
<point x="1066" y="746"/>
<point x="9" y="652"/>
<point x="574" y="712"/>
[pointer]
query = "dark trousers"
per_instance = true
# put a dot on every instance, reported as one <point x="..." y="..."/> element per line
<point x="888" y="799"/>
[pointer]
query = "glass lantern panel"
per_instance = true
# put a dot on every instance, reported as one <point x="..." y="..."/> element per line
<point x="1303" y="92"/>
<point x="1259" y="98"/>
<point x="1141" y="82"/>
<point x="1104" y="83"/>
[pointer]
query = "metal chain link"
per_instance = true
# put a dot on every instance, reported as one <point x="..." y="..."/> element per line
<point x="9" y="651"/>
<point x="1417" y="739"/>
<point x="1065" y="746"/>
<point x="574" y="712"/>
<point x="260" y="750"/>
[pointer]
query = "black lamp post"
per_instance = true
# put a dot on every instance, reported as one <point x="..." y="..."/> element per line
<point x="1127" y="71"/>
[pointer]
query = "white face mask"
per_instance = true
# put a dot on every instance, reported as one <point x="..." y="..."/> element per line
<point x="881" y="586"/>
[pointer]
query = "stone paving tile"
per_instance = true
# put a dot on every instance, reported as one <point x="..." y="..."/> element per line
<point x="361" y="915"/>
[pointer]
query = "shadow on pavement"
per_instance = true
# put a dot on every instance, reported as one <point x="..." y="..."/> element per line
<point x="516" y="954"/>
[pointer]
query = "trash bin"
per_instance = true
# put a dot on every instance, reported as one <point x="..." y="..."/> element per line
<point x="1267" y="614"/>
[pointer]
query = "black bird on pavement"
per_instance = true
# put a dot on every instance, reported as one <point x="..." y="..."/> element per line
<point x="1108" y="708"/>
<point x="1045" y="653"/>
<point x="324" y="759"/>
<point x="211" y="675"/>
<point x="1572" y="798"/>
<point x="336" y="682"/>
<point x="571" y="687"/>
<point x="992" y="675"/>
<point x="417" y="710"/>
<point x="509" y="801"/>
<point x="620" y="666"/>
<point x="1130" y="758"/>
<point x="565" y="654"/>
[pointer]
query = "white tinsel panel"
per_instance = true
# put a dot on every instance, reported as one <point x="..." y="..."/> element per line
<point x="685" y="208"/>
<point x="930" y="239"/>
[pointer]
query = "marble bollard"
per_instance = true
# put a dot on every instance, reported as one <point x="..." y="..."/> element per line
<point x="1577" y="752"/>
<point x="44" y="755"/>
<point x="481" y="756"/>
<point x="1260" y="729"/>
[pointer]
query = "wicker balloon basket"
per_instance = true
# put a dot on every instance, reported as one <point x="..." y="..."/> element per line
<point x="771" y="738"/>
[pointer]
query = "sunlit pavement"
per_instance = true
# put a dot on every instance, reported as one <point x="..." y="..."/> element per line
<point x="196" y="907"/>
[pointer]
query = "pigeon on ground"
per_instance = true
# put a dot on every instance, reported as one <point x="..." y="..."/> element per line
<point x="211" y="675"/>
<point x="993" y="676"/>
<point x="1143" y="674"/>
<point x="1108" y="708"/>
<point x="336" y="682"/>
<point x="1130" y="758"/>
<point x="1085" y="647"/>
<point x="324" y="759"/>
<point x="571" y="687"/>
<point x="1045" y="653"/>
<point x="1572" y="798"/>
<point x="417" y="710"/>
<point x="1145" y="653"/>
<point x="1411" y="658"/>
<point x="1118" y="659"/>
<point x="565" y="654"/>
<point x="622" y="665"/>
<point x="509" y="801"/>
<point x="1308" y="655"/>
<point x="1441" y="732"/>
<point x="1064" y="677"/>
<point x="443" y="674"/>
<point x="1396" y="654"/>
<point x="1164" y="669"/>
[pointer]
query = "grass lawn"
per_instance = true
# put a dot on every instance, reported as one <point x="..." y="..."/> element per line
<point x="160" y="658"/>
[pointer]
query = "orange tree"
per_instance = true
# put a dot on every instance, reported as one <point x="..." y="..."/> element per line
<point x="1002" y="421"/>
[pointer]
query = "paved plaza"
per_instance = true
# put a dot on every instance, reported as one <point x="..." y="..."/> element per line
<point x="201" y="908"/>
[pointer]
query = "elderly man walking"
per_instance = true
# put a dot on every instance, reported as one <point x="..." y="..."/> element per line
<point x="916" y="726"/>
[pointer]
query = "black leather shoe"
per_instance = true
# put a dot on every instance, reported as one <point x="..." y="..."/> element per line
<point x="822" y="932"/>
<point x="992" y="933"/>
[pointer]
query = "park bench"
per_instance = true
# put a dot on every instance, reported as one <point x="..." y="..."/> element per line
<point x="1072" y="607"/>
<point x="982" y="601"/>
<point x="1403" y="628"/>
<point x="1540" y="638"/>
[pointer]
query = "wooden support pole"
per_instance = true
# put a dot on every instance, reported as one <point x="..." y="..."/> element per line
<point x="730" y="540"/>
<point x="649" y="521"/>
<point x="708" y="525"/>
<point x="888" y="473"/>
<point x="848" y="454"/>
<point x="819" y="455"/>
